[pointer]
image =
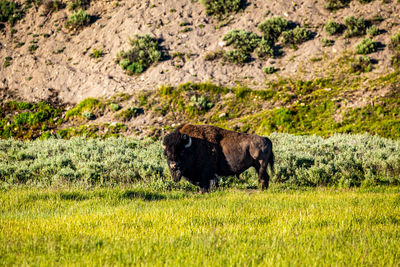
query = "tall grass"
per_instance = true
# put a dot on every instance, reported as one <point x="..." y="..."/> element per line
<point x="341" y="160"/>
<point x="319" y="227"/>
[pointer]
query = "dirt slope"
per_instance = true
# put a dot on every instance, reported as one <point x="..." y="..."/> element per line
<point x="71" y="75"/>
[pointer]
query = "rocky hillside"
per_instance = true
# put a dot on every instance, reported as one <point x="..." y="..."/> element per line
<point x="44" y="59"/>
<point x="105" y="68"/>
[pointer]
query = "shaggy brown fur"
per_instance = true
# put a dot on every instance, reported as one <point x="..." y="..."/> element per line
<point x="216" y="151"/>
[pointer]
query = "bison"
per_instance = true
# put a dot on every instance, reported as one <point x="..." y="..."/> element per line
<point x="201" y="152"/>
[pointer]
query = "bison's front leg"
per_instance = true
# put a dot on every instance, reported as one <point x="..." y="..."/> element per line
<point x="208" y="180"/>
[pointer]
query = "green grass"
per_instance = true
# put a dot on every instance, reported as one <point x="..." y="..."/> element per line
<point x="133" y="226"/>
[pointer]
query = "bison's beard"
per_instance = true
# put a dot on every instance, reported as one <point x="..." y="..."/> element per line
<point x="176" y="175"/>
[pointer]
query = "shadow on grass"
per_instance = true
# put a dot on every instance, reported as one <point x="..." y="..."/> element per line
<point x="144" y="195"/>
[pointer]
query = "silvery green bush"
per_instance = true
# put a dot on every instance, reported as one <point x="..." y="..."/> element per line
<point x="340" y="160"/>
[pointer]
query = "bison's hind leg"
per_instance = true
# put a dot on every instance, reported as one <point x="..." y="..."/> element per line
<point x="263" y="176"/>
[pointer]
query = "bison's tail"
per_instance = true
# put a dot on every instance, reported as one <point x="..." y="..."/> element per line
<point x="271" y="162"/>
<point x="271" y="159"/>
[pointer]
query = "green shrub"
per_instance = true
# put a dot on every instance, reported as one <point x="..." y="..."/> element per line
<point x="242" y="40"/>
<point x="264" y="49"/>
<point x="332" y="27"/>
<point x="75" y="5"/>
<point x="88" y="115"/>
<point x="354" y="27"/>
<point x="269" y="70"/>
<point x="144" y="51"/>
<point x="336" y="4"/>
<point x="115" y="107"/>
<point x="295" y="36"/>
<point x="272" y="28"/>
<point x="91" y="105"/>
<point x="9" y="11"/>
<point x="395" y="60"/>
<point x="395" y="42"/>
<point x="365" y="1"/>
<point x="7" y="62"/>
<point x="361" y="64"/>
<point x="96" y="53"/>
<point x="129" y="113"/>
<point x="78" y="19"/>
<point x="366" y="46"/>
<point x="373" y="31"/>
<point x="326" y="42"/>
<point x="33" y="48"/>
<point x="214" y="55"/>
<point x="236" y="56"/>
<point x="201" y="103"/>
<point x="222" y="8"/>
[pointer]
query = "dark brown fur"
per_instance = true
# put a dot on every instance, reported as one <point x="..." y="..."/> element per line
<point x="215" y="151"/>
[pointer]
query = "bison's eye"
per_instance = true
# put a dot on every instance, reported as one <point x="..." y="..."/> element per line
<point x="181" y="153"/>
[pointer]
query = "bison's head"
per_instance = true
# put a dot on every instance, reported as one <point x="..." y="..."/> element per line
<point x="174" y="145"/>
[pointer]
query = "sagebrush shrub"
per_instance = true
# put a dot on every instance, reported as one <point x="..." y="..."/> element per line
<point x="332" y="27"/>
<point x="222" y="8"/>
<point x="78" y="19"/>
<point x="395" y="60"/>
<point x="340" y="160"/>
<point x="361" y="64"/>
<point x="354" y="27"/>
<point x="336" y="4"/>
<point x="373" y="31"/>
<point x="395" y="42"/>
<point x="9" y="11"/>
<point x="366" y="46"/>
<point x="295" y="36"/>
<point x="242" y="40"/>
<point x="236" y="56"/>
<point x="272" y="28"/>
<point x="145" y="50"/>
<point x="264" y="49"/>
<point x="327" y="42"/>
<point x="269" y="70"/>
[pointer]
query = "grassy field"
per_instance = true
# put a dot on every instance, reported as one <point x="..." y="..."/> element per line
<point x="279" y="227"/>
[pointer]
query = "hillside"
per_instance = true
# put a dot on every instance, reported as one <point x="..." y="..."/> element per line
<point x="44" y="59"/>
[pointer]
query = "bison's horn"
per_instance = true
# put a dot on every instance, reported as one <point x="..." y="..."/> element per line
<point x="163" y="146"/>
<point x="189" y="143"/>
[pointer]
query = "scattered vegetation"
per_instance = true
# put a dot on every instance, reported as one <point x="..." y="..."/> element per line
<point x="366" y="46"/>
<point x="295" y="36"/>
<point x="373" y="31"/>
<point x="144" y="51"/>
<point x="269" y="70"/>
<point x="236" y="56"/>
<point x="354" y="27"/>
<point x="361" y="64"/>
<point x="97" y="53"/>
<point x="272" y="28"/>
<point x="242" y="40"/>
<point x="78" y="19"/>
<point x="115" y="107"/>
<point x="327" y="42"/>
<point x="33" y="48"/>
<point x="7" y="62"/>
<point x="86" y="108"/>
<point x="336" y="4"/>
<point x="394" y="44"/>
<point x="28" y="120"/>
<point x="10" y="12"/>
<point x="222" y="9"/>
<point x="332" y="27"/>
<point x="129" y="113"/>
